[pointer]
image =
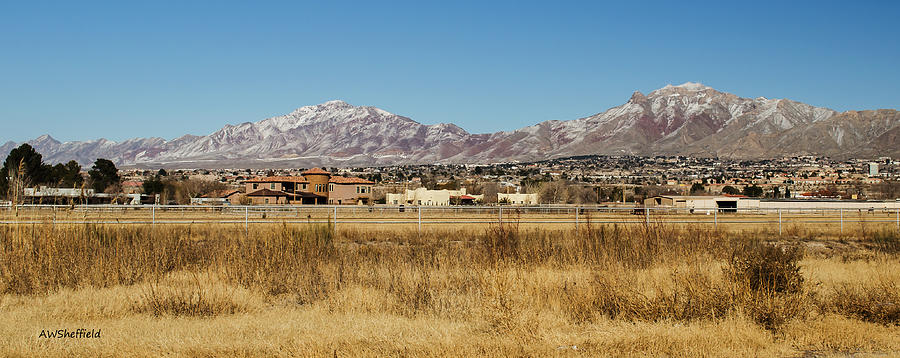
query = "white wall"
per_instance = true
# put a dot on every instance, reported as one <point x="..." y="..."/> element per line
<point x="519" y="199"/>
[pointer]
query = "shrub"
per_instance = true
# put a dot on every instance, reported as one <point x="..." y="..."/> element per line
<point x="767" y="268"/>
<point x="886" y="241"/>
<point x="878" y="304"/>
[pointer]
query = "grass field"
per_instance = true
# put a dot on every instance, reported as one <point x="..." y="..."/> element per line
<point x="486" y="290"/>
<point x="818" y="222"/>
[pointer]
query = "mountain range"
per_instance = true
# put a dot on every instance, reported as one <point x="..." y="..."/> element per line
<point x="689" y="119"/>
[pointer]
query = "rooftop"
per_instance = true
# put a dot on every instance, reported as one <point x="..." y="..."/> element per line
<point x="267" y="192"/>
<point x="221" y="193"/>
<point x="281" y="179"/>
<point x="315" y="170"/>
<point x="349" y="180"/>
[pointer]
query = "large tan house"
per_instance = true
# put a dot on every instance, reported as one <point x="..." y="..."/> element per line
<point x="314" y="186"/>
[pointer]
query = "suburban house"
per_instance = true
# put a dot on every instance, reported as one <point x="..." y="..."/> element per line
<point x="313" y="186"/>
<point x="49" y="195"/>
<point x="344" y="190"/>
<point x="269" y="196"/>
<point x="422" y="196"/>
<point x="723" y="202"/>
<point x="220" y="197"/>
<point x="517" y="199"/>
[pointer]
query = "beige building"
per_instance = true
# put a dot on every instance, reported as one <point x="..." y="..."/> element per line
<point x="349" y="190"/>
<point x="268" y="197"/>
<point x="518" y="199"/>
<point x="220" y="197"/>
<point x="284" y="190"/>
<point x="732" y="203"/>
<point x="702" y="202"/>
<point x="314" y="186"/>
<point x="425" y="197"/>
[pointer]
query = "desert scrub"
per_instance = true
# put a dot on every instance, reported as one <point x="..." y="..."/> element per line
<point x="885" y="241"/>
<point x="878" y="302"/>
<point x="767" y="267"/>
<point x="193" y="294"/>
<point x="43" y="258"/>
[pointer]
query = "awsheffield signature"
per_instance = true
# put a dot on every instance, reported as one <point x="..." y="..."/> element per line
<point x="65" y="333"/>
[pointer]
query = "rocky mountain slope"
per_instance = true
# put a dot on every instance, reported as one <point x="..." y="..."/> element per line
<point x="690" y="119"/>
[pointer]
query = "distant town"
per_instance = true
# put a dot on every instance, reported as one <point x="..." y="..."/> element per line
<point x="583" y="180"/>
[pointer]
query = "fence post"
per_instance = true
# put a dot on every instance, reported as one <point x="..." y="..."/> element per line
<point x="647" y="216"/>
<point x="246" y="218"/>
<point x="335" y="220"/>
<point x="842" y="220"/>
<point x="898" y="219"/>
<point x="419" y="210"/>
<point x="716" y="218"/>
<point x="779" y="222"/>
<point x="153" y="213"/>
<point x="576" y="217"/>
<point x="500" y="214"/>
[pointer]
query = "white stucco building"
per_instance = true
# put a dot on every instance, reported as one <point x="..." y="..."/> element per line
<point x="518" y="199"/>
<point x="425" y="197"/>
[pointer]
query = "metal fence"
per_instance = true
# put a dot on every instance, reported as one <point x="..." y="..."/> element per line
<point x="419" y="216"/>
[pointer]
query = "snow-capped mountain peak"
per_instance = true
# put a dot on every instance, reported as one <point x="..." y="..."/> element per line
<point x="687" y="119"/>
<point x="693" y="86"/>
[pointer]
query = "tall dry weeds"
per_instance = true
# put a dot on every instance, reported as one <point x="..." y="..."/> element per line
<point x="504" y="276"/>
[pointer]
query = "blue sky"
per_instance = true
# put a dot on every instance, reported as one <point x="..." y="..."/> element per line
<point x="84" y="70"/>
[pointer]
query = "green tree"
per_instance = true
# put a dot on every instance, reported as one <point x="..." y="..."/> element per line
<point x="154" y="186"/>
<point x="730" y="190"/>
<point x="35" y="171"/>
<point x="103" y="174"/>
<point x="697" y="188"/>
<point x="753" y="191"/>
<point x="68" y="175"/>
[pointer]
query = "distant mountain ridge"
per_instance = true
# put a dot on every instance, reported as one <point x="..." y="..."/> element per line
<point x="689" y="119"/>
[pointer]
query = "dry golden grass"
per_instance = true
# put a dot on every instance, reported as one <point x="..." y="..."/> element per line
<point x="289" y="290"/>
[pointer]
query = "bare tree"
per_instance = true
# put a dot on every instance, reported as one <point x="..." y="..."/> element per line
<point x="888" y="189"/>
<point x="577" y="194"/>
<point x="531" y="188"/>
<point x="490" y="191"/>
<point x="192" y="188"/>
<point x="553" y="192"/>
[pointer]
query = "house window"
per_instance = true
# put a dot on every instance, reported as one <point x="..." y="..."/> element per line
<point x="272" y="186"/>
<point x="267" y="200"/>
<point x="331" y="187"/>
<point x="357" y="190"/>
<point x="304" y="186"/>
<point x="255" y="186"/>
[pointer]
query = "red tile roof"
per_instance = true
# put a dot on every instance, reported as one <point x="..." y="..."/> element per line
<point x="221" y="194"/>
<point x="349" y="180"/>
<point x="267" y="192"/>
<point x="734" y="195"/>
<point x="278" y="180"/>
<point x="315" y="171"/>
<point x="132" y="183"/>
